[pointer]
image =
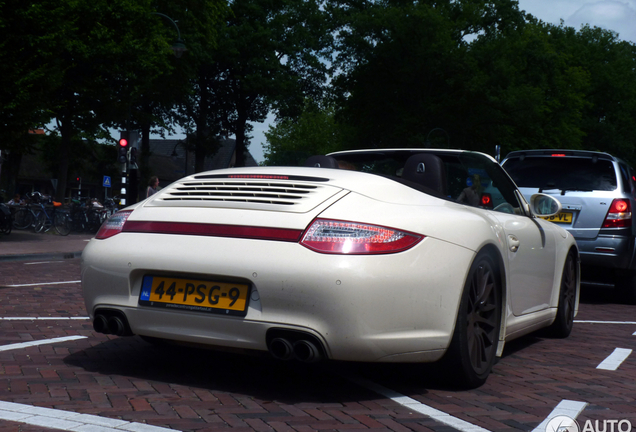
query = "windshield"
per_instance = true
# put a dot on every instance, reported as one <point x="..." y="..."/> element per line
<point x="562" y="173"/>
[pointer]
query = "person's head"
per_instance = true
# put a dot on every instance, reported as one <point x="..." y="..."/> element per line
<point x="153" y="182"/>
<point x="16" y="197"/>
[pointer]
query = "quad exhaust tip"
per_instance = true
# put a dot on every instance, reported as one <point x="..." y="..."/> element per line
<point x="111" y="322"/>
<point x="301" y="348"/>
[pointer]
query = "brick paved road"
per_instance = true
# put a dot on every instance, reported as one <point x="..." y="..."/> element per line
<point x="197" y="390"/>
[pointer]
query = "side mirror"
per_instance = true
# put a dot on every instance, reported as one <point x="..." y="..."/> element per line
<point x="544" y="205"/>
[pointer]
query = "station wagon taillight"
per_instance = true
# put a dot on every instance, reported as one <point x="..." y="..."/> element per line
<point x="619" y="214"/>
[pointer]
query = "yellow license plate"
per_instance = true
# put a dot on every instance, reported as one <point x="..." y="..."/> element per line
<point x="195" y="295"/>
<point x="562" y="217"/>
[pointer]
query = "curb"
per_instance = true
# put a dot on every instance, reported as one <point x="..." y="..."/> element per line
<point x="41" y="256"/>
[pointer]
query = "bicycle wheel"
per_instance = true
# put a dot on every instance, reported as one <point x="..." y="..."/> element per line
<point x="93" y="221"/>
<point x="62" y="223"/>
<point x="40" y="220"/>
<point x="22" y="219"/>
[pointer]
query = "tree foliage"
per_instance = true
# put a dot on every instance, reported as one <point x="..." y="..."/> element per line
<point x="467" y="74"/>
<point x="268" y="58"/>
<point x="314" y="132"/>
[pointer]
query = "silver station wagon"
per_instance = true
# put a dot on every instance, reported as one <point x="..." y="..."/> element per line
<point x="597" y="193"/>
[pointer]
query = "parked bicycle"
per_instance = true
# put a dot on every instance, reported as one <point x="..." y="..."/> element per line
<point x="35" y="214"/>
<point x="83" y="215"/>
<point x="30" y="215"/>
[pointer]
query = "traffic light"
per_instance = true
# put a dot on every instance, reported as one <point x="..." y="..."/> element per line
<point x="122" y="147"/>
<point x="133" y="156"/>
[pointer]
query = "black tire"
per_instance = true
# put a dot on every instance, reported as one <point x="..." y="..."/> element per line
<point x="473" y="349"/>
<point x="564" y="321"/>
<point x="22" y="219"/>
<point x="62" y="223"/>
<point x="40" y="221"/>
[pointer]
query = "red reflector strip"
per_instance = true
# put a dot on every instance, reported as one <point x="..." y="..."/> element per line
<point x="213" y="230"/>
<point x="259" y="176"/>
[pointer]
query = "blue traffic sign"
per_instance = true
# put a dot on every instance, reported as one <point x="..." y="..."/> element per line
<point x="106" y="181"/>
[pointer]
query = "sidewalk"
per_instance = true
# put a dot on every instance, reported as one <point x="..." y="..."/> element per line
<point x="24" y="245"/>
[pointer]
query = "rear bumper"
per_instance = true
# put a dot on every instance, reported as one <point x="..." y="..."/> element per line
<point x="608" y="251"/>
<point x="393" y="308"/>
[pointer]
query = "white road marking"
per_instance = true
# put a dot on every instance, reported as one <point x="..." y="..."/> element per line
<point x="39" y="342"/>
<point x="605" y="322"/>
<point x="43" y="283"/>
<point x="41" y="262"/>
<point x="42" y="318"/>
<point x="414" y="405"/>
<point x="614" y="360"/>
<point x="70" y="421"/>
<point x="566" y="407"/>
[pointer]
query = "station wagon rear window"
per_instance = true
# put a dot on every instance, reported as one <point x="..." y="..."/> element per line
<point x="562" y="173"/>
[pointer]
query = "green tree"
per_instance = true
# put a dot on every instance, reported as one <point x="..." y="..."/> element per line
<point x="154" y="101"/>
<point x="25" y="82"/>
<point x="523" y="92"/>
<point x="92" y="55"/>
<point x="314" y="132"/>
<point x="268" y="57"/>
<point x="607" y="121"/>
<point x="480" y="70"/>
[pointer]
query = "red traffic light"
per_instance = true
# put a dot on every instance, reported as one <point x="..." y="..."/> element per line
<point x="123" y="142"/>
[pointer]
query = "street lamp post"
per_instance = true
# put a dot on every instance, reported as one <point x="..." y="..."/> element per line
<point x="178" y="47"/>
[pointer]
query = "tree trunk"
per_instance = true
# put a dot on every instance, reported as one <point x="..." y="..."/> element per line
<point x="240" y="139"/>
<point x="144" y="160"/>
<point x="10" y="172"/>
<point x="203" y="130"/>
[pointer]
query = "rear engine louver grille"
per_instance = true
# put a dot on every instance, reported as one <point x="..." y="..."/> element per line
<point x="285" y="194"/>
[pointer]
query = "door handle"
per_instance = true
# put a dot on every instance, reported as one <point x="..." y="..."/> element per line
<point x="513" y="243"/>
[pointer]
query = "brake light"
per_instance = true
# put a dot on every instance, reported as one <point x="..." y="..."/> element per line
<point x="113" y="225"/>
<point x="558" y="155"/>
<point x="486" y="201"/>
<point x="258" y="176"/>
<point x="619" y="214"/>
<point x="341" y="237"/>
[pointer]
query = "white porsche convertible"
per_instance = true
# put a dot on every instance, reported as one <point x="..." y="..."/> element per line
<point x="396" y="255"/>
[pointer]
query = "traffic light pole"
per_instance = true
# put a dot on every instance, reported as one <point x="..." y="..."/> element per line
<point x="124" y="175"/>
<point x="122" y="157"/>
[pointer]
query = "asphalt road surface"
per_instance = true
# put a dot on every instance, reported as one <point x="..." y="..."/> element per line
<point x="56" y="373"/>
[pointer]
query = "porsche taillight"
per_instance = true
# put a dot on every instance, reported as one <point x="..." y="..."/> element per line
<point x="619" y="214"/>
<point x="113" y="225"/>
<point x="343" y="237"/>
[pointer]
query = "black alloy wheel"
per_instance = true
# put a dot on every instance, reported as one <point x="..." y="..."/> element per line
<point x="564" y="321"/>
<point x="473" y="348"/>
